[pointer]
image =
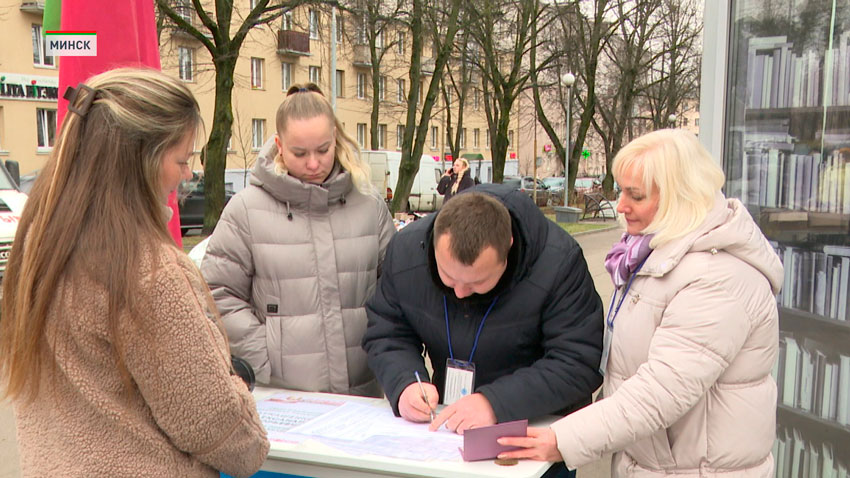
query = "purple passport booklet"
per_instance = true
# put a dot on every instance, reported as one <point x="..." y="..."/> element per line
<point x="480" y="443"/>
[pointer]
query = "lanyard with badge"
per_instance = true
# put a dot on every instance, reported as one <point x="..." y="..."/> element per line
<point x="460" y="374"/>
<point x="609" y="320"/>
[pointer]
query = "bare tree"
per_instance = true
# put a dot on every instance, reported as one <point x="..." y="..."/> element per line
<point x="629" y="58"/>
<point x="674" y="78"/>
<point x="503" y="31"/>
<point x="223" y="45"/>
<point x="445" y="15"/>
<point x="584" y="28"/>
<point x="373" y="22"/>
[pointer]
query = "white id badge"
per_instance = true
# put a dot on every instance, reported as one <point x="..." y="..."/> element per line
<point x="460" y="380"/>
<point x="606" y="349"/>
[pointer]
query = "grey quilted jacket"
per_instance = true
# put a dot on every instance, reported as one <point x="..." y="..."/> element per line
<point x="290" y="266"/>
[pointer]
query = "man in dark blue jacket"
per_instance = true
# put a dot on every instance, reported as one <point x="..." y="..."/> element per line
<point x="500" y="299"/>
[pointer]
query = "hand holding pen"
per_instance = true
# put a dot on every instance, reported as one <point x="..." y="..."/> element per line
<point x="418" y="401"/>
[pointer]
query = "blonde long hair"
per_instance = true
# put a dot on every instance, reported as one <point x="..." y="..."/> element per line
<point x="687" y="177"/>
<point x="306" y="102"/>
<point x="461" y="174"/>
<point x="92" y="211"/>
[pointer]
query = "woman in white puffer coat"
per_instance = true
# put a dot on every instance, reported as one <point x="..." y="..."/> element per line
<point x="692" y="331"/>
<point x="296" y="254"/>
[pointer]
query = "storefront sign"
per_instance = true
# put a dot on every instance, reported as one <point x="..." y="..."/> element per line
<point x="29" y="87"/>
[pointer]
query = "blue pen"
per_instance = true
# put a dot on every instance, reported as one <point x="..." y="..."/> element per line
<point x="424" y="395"/>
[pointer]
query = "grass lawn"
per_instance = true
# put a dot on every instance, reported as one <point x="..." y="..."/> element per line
<point x="191" y="241"/>
<point x="576" y="227"/>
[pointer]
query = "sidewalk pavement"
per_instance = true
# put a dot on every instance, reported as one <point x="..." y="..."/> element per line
<point x="594" y="244"/>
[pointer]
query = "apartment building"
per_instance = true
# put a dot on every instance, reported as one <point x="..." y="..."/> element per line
<point x="328" y="48"/>
<point x="295" y="48"/>
<point x="29" y="87"/>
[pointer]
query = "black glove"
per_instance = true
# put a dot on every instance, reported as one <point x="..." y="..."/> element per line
<point x="243" y="370"/>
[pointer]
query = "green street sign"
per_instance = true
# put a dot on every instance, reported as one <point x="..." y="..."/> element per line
<point x="585" y="154"/>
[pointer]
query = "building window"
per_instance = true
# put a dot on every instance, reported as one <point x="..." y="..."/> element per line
<point x="286" y="21"/>
<point x="339" y="27"/>
<point x="316" y="74"/>
<point x="183" y="9"/>
<point x="258" y="128"/>
<point x="462" y="141"/>
<point x="382" y="87"/>
<point x="476" y="138"/>
<point x="400" y="43"/>
<point x="46" y="125"/>
<point x="39" y="45"/>
<point x="510" y="138"/>
<point x="399" y="135"/>
<point x="476" y="99"/>
<point x="400" y="87"/>
<point x="286" y="75"/>
<point x="361" y="85"/>
<point x="382" y="136"/>
<point x="361" y="134"/>
<point x="314" y="24"/>
<point x="186" y="60"/>
<point x="253" y="3"/>
<point x="434" y="132"/>
<point x="421" y="93"/>
<point x="487" y="140"/>
<point x="340" y="84"/>
<point x="257" y="73"/>
<point x="449" y="99"/>
<point x="379" y="40"/>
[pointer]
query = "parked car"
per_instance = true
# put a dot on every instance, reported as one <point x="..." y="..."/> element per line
<point x="556" y="189"/>
<point x="526" y="185"/>
<point x="192" y="203"/>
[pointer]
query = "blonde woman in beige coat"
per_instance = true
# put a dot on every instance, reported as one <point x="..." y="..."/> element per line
<point x="110" y="347"/>
<point x="692" y="331"/>
<point x="296" y="254"/>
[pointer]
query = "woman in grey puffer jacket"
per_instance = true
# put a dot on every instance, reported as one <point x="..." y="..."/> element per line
<point x="296" y="254"/>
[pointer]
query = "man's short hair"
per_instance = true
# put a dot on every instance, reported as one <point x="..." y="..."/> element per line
<point x="474" y="221"/>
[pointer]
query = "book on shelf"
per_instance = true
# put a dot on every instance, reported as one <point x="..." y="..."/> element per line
<point x="814" y="378"/>
<point x="817" y="282"/>
<point x="798" y="455"/>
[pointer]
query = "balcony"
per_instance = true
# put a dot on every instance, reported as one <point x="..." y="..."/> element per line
<point x="33" y="7"/>
<point x="292" y="43"/>
<point x="428" y="66"/>
<point x="362" y="56"/>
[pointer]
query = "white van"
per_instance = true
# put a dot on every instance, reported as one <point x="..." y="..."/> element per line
<point x="12" y="202"/>
<point x="423" y="193"/>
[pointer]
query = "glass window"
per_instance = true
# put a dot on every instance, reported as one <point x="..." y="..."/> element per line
<point x="316" y="74"/>
<point x="400" y="90"/>
<point x="314" y="24"/>
<point x="487" y="141"/>
<point x="434" y="132"/>
<point x="257" y="73"/>
<point x="286" y="21"/>
<point x="382" y="87"/>
<point x="39" y="46"/>
<point x="183" y="8"/>
<point x="286" y="75"/>
<point x="46" y="126"/>
<point x="399" y="136"/>
<point x="786" y="155"/>
<point x="258" y="133"/>
<point x="476" y="138"/>
<point x="382" y="136"/>
<point x="361" y="85"/>
<point x="339" y="27"/>
<point x="400" y="43"/>
<point x="340" y="83"/>
<point x="361" y="134"/>
<point x="186" y="60"/>
<point x="462" y="142"/>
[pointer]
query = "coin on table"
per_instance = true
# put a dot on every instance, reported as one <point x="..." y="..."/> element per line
<point x="506" y="461"/>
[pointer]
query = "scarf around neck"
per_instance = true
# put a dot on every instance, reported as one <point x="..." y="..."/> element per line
<point x="625" y="256"/>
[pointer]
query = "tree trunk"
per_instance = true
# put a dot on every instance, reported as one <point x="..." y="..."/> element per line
<point x="215" y="155"/>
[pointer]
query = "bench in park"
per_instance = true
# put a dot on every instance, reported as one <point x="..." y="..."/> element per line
<point x="595" y="205"/>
